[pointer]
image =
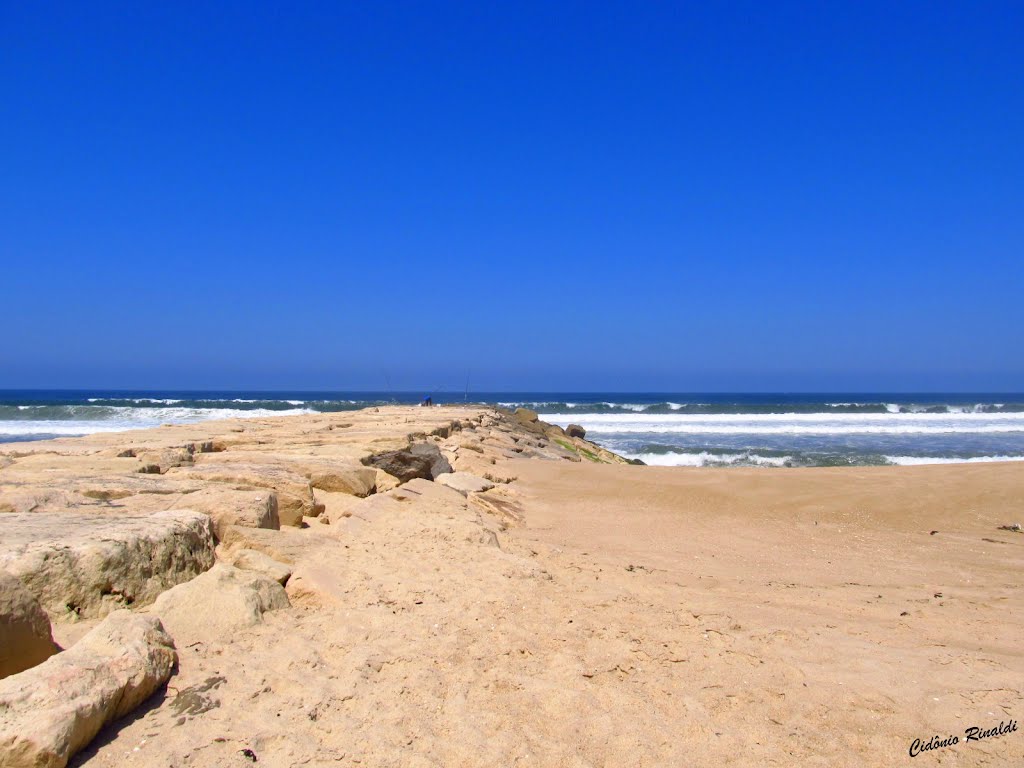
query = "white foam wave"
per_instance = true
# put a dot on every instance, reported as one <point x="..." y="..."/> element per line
<point x="160" y="400"/>
<point x="706" y="459"/>
<point x="125" y="418"/>
<point x="534" y="406"/>
<point x="908" y="461"/>
<point x="793" y="423"/>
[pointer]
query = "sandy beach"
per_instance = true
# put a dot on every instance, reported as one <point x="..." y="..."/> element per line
<point x="547" y="606"/>
<point x="512" y="385"/>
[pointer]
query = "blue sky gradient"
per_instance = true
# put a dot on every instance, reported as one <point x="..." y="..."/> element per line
<point x="572" y="196"/>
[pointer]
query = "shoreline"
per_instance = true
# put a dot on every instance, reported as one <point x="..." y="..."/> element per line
<point x="784" y="430"/>
<point x="543" y="603"/>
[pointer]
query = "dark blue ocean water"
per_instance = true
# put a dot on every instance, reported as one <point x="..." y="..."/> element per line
<point x="765" y="429"/>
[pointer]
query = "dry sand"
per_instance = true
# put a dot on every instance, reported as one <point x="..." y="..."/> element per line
<point x="595" y="615"/>
<point x="641" y="616"/>
<point x="799" y="616"/>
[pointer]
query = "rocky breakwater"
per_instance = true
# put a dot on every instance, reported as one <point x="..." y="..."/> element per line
<point x="126" y="556"/>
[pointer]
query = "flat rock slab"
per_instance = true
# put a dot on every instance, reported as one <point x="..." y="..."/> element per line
<point x="18" y="499"/>
<point x="338" y="475"/>
<point x="286" y="545"/>
<point x="86" y="565"/>
<point x="465" y="482"/>
<point x="252" y="560"/>
<point x="51" y="711"/>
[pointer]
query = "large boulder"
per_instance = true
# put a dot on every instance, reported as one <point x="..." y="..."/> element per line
<point x="420" y="460"/>
<point x="575" y="430"/>
<point x="50" y="712"/>
<point x="353" y="480"/>
<point x="526" y="416"/>
<point x="25" y="635"/>
<point x="218" y="603"/>
<point x="438" y="463"/>
<point x="86" y="565"/>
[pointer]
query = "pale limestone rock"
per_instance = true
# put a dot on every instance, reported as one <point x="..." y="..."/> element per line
<point x="25" y="636"/>
<point x="86" y="565"/>
<point x="338" y="506"/>
<point x="353" y="480"/>
<point x="526" y="416"/>
<point x="465" y="482"/>
<point x="158" y="462"/>
<point x="256" y="508"/>
<point x="502" y="503"/>
<point x="50" y="712"/>
<point x="18" y="499"/>
<point x="116" y="487"/>
<point x="294" y="493"/>
<point x="251" y="560"/>
<point x="286" y="545"/>
<point x="217" y="604"/>
<point x="385" y="482"/>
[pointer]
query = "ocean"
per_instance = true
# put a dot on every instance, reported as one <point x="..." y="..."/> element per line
<point x="768" y="430"/>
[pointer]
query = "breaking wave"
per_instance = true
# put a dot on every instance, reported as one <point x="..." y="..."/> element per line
<point x="793" y="423"/>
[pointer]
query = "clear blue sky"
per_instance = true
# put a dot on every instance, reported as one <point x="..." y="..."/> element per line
<point x="596" y="196"/>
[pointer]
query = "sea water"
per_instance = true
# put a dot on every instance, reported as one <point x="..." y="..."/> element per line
<point x="771" y="430"/>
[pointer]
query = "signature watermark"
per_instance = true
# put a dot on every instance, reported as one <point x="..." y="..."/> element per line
<point x="974" y="733"/>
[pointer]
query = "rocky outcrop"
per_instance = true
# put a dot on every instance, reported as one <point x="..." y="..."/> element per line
<point x="420" y="460"/>
<point x="575" y="430"/>
<point x="81" y="565"/>
<point x="108" y="521"/>
<point x="25" y="635"/>
<point x="218" y="603"/>
<point x="51" y="711"/>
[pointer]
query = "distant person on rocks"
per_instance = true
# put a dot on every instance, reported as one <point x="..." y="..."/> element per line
<point x="428" y="401"/>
